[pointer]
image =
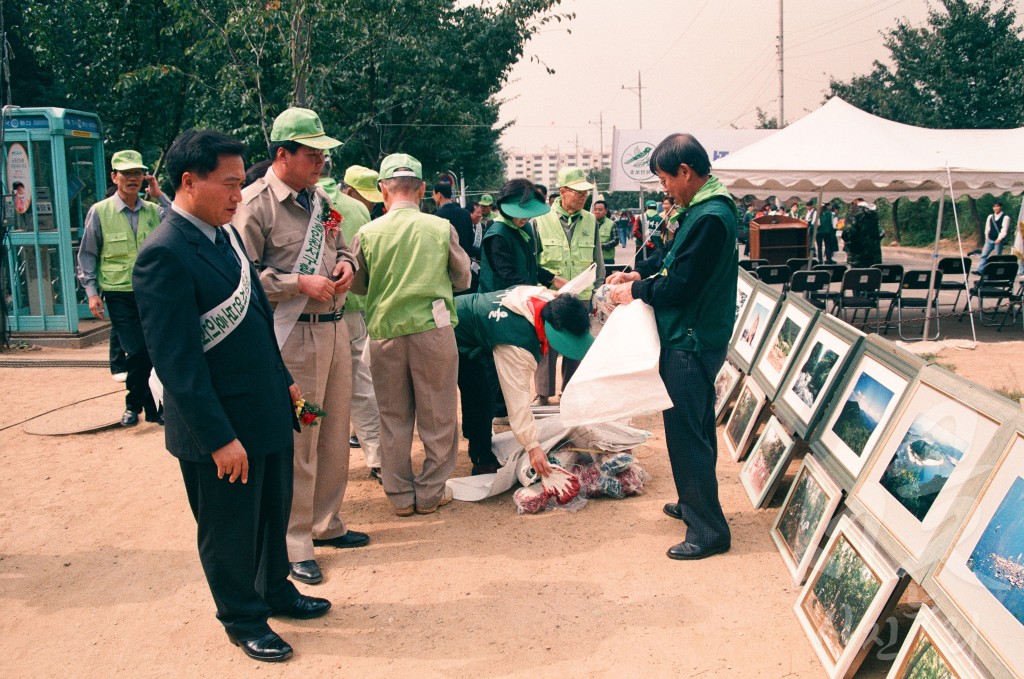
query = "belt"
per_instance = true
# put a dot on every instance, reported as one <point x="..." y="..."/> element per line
<point x="322" y="318"/>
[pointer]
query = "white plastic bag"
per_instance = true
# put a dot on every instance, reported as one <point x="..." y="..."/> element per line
<point x="618" y="377"/>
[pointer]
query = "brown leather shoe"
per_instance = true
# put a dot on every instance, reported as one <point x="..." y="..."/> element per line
<point x="405" y="511"/>
<point x="446" y="497"/>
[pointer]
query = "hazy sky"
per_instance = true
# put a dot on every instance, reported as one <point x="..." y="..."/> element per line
<point x="704" y="64"/>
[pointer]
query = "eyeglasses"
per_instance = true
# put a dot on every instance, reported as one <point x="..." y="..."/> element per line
<point x="576" y="191"/>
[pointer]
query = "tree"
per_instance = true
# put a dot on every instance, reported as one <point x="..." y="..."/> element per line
<point x="764" y="122"/>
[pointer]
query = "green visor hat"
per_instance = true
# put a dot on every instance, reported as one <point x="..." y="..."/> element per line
<point x="567" y="344"/>
<point x="517" y="209"/>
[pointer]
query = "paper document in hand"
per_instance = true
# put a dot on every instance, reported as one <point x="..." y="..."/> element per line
<point x="582" y="282"/>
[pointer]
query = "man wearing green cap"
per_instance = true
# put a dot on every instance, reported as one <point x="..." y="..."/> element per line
<point x="646" y="228"/>
<point x="298" y="246"/>
<point x="568" y="242"/>
<point x="515" y="327"/>
<point x="606" y="227"/>
<point x="114" y="230"/>
<point x="486" y="203"/>
<point x="409" y="265"/>
<point x="354" y="209"/>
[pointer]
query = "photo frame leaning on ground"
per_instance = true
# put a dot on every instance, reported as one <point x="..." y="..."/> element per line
<point x="800" y="525"/>
<point x="746" y="284"/>
<point x="851" y="587"/>
<point x="743" y="418"/>
<point x="748" y="336"/>
<point x="782" y="343"/>
<point x="819" y="366"/>
<point x="979" y="582"/>
<point x="725" y="384"/>
<point x="932" y="461"/>
<point x="767" y="462"/>
<point x="931" y="649"/>
<point x="871" y="390"/>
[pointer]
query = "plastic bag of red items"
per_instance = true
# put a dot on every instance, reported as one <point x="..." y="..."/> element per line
<point x="534" y="499"/>
<point x="614" y="475"/>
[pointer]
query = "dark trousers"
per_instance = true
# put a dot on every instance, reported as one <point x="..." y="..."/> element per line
<point x="544" y="377"/>
<point x="476" y="394"/>
<point x="241" y="530"/>
<point x="826" y="245"/>
<point x="118" y="359"/>
<point x="124" y="316"/>
<point x="693" y="442"/>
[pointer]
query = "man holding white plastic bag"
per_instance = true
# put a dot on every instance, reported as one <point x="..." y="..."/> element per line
<point x="693" y="292"/>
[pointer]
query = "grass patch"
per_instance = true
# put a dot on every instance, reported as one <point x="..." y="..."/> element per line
<point x="1014" y="395"/>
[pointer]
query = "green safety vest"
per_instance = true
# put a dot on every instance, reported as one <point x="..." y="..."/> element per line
<point x="120" y="244"/>
<point x="406" y="255"/>
<point x="484" y="323"/>
<point x="607" y="226"/>
<point x="563" y="258"/>
<point x="354" y="214"/>
<point x="706" y="321"/>
<point x="521" y="244"/>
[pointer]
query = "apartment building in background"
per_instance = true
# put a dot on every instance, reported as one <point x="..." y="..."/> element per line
<point x="541" y="167"/>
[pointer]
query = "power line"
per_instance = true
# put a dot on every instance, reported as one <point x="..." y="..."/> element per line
<point x="681" y="35"/>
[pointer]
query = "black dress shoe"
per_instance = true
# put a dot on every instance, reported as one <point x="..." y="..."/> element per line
<point x="672" y="509"/>
<point x="268" y="648"/>
<point x="305" y="608"/>
<point x="155" y="419"/>
<point x="307" y="572"/>
<point x="129" y="419"/>
<point x="353" y="442"/>
<point x="479" y="469"/>
<point x="353" y="538"/>
<point x="687" y="551"/>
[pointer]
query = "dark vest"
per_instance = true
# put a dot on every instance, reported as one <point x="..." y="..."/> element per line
<point x="484" y="323"/>
<point x="525" y="259"/>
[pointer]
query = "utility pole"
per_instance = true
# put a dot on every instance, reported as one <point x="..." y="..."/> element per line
<point x="639" y="89"/>
<point x="600" y="136"/>
<point x="782" y="114"/>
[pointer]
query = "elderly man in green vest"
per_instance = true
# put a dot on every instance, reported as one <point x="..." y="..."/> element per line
<point x="409" y="266"/>
<point x="114" y="230"/>
<point x="354" y="205"/>
<point x="692" y="288"/>
<point x="569" y="242"/>
<point x="606" y="227"/>
<point x="486" y="204"/>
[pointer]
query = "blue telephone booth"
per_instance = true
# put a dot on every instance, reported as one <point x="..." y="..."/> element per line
<point x="52" y="172"/>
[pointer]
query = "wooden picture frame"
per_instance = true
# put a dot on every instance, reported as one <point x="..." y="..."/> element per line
<point x="855" y="419"/>
<point x="725" y="385"/>
<point x="933" y="456"/>
<point x="931" y="649"/>
<point x="820" y="365"/>
<point x="979" y="582"/>
<point x="767" y="463"/>
<point x="782" y="343"/>
<point x="850" y="588"/>
<point x="743" y="418"/>
<point x="748" y="337"/>
<point x="800" y="525"/>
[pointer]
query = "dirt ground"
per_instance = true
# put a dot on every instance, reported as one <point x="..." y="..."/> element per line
<point x="99" y="573"/>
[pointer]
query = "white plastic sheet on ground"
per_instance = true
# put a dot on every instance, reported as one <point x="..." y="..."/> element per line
<point x="618" y="377"/>
<point x="608" y="436"/>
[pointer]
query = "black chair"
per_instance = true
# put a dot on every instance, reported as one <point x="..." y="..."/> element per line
<point x="859" y="291"/>
<point x="836" y="271"/>
<point x="917" y="280"/>
<point x="813" y="285"/>
<point x="954" y="276"/>
<point x="1016" y="303"/>
<point x="752" y="264"/>
<point x="996" y="283"/>
<point x="892" y="274"/>
<point x="797" y="263"/>
<point x="995" y="259"/>
<point x="775" y="274"/>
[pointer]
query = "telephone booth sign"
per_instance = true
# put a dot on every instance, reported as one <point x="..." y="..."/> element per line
<point x="52" y="171"/>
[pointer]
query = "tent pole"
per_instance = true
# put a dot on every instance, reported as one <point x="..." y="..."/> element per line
<point x="814" y="228"/>
<point x="935" y="266"/>
<point x="960" y="244"/>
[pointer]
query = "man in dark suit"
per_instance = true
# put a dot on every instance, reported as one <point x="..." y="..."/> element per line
<point x="228" y="398"/>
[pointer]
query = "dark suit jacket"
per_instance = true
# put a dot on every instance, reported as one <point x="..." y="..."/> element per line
<point x="237" y="389"/>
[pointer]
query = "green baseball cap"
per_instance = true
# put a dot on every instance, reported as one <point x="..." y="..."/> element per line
<point x="486" y="199"/>
<point x="400" y="165"/>
<point x="127" y="160"/>
<point x="303" y="126"/>
<point x="573" y="178"/>
<point x="651" y="204"/>
<point x="364" y="181"/>
<point x="567" y="344"/>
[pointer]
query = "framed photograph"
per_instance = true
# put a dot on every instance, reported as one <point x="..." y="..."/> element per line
<point x="744" y="417"/>
<point x="924" y="464"/>
<point x="932" y="650"/>
<point x="745" y="286"/>
<point x="980" y="580"/>
<point x="767" y="463"/>
<point x="872" y="389"/>
<point x="848" y="590"/>
<point x="725" y="384"/>
<point x="782" y="343"/>
<point x="817" y="368"/>
<point x="800" y="526"/>
<point x="754" y="326"/>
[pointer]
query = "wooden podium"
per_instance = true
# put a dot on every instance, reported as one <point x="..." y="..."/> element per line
<point x="778" y="238"/>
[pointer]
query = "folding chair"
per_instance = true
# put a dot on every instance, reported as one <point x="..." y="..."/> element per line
<point x="996" y="283"/>
<point x="917" y="279"/>
<point x="813" y="285"/>
<point x="892" y="274"/>
<point x="775" y="274"/>
<point x="836" y="271"/>
<point x="859" y="291"/>
<point x="752" y="264"/>
<point x="1016" y="303"/>
<point x="797" y="263"/>
<point x="954" y="276"/>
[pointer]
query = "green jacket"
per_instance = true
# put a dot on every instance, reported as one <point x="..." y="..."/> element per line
<point x="354" y="215"/>
<point x="120" y="244"/>
<point x="484" y="323"/>
<point x="607" y="229"/>
<point x="520" y="242"/>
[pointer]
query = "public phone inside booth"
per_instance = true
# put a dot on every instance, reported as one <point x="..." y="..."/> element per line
<point x="52" y="171"/>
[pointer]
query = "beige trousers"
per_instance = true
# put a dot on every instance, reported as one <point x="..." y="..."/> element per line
<point x="365" y="417"/>
<point x="317" y="356"/>
<point x="416" y="379"/>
